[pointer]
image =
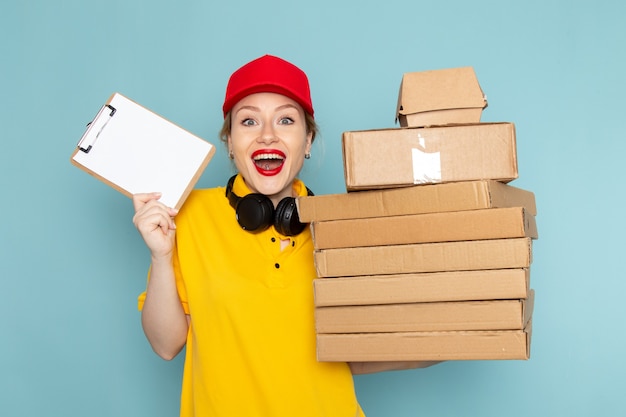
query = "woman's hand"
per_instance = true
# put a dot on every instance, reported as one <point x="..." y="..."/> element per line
<point x="163" y="318"/>
<point x="360" y="368"/>
<point x="155" y="223"/>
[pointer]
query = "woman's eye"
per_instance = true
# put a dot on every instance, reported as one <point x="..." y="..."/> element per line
<point x="286" y="121"/>
<point x="248" y="122"/>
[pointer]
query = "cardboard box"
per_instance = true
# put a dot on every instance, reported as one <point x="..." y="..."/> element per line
<point x="426" y="317"/>
<point x="440" y="97"/>
<point x="453" y="226"/>
<point x="431" y="198"/>
<point x="493" y="284"/>
<point x="425" y="346"/>
<point x="389" y="158"/>
<point x="424" y="257"/>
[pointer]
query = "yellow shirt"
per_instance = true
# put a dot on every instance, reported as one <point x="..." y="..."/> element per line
<point x="251" y="343"/>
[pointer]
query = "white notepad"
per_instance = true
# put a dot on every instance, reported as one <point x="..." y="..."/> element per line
<point x="135" y="150"/>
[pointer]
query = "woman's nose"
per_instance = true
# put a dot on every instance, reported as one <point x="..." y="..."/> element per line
<point x="267" y="134"/>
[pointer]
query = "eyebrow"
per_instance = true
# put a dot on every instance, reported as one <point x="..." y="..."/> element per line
<point x="257" y="109"/>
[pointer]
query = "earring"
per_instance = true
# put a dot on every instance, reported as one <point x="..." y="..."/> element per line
<point x="230" y="154"/>
<point x="307" y="155"/>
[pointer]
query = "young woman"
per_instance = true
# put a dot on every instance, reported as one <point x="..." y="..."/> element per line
<point x="231" y="273"/>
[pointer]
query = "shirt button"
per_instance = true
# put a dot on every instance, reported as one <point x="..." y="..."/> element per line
<point x="273" y="239"/>
<point x="277" y="265"/>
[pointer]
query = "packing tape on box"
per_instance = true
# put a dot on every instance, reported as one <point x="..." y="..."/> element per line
<point x="426" y="165"/>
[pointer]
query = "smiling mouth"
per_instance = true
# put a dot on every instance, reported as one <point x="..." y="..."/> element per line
<point x="268" y="163"/>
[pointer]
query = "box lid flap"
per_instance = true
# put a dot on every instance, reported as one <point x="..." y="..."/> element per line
<point x="453" y="88"/>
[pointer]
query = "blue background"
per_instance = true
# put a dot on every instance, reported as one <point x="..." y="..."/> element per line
<point x="72" y="264"/>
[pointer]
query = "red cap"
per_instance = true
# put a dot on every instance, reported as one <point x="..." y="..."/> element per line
<point x="268" y="74"/>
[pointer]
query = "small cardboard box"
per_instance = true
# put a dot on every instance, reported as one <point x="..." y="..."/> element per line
<point x="388" y="158"/>
<point x="440" y="97"/>
<point x="424" y="257"/>
<point x="426" y="317"/>
<point x="454" y="196"/>
<point x="496" y="284"/>
<point x="425" y="346"/>
<point x="498" y="223"/>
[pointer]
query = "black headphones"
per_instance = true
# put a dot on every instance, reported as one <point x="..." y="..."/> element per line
<point x="255" y="212"/>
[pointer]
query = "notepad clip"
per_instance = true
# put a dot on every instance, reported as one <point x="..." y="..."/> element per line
<point x="95" y="128"/>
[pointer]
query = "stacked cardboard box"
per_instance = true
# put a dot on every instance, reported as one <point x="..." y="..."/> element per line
<point x="427" y="256"/>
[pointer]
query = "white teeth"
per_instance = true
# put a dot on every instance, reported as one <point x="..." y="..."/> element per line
<point x="267" y="156"/>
